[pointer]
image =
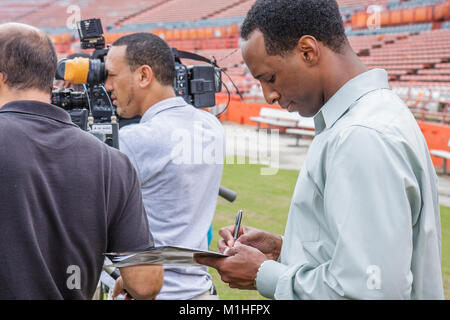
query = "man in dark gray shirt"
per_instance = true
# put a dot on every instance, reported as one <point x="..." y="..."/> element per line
<point x="65" y="197"/>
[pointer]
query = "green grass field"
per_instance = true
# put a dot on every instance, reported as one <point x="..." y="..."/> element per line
<point x="265" y="201"/>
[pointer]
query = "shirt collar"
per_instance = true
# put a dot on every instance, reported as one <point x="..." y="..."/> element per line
<point x="161" y="106"/>
<point x="39" y="109"/>
<point x="347" y="95"/>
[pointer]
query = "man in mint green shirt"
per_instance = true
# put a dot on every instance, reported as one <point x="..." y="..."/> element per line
<point x="364" y="219"/>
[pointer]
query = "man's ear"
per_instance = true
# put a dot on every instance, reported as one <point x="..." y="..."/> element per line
<point x="2" y="81"/>
<point x="309" y="49"/>
<point x="145" y="75"/>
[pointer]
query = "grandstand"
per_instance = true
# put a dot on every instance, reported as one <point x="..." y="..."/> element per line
<point x="408" y="38"/>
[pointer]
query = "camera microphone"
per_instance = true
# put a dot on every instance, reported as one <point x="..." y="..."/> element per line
<point x="81" y="71"/>
<point x="227" y="194"/>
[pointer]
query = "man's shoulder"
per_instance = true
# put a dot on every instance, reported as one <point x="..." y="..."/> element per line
<point x="150" y="127"/>
<point x="140" y="133"/>
<point x="382" y="112"/>
<point x="207" y="115"/>
<point x="383" y="131"/>
<point x="209" y="122"/>
<point x="144" y="140"/>
<point x="201" y="114"/>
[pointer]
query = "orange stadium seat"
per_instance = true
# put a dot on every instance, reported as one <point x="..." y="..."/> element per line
<point x="182" y="33"/>
<point x="209" y="32"/>
<point x="170" y="35"/>
<point x="441" y="10"/>
<point x="193" y="33"/>
<point x="420" y="14"/>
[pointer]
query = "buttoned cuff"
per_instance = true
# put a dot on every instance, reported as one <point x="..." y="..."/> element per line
<point x="267" y="277"/>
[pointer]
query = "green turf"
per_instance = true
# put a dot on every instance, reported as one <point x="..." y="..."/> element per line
<point x="265" y="202"/>
<point x="445" y="227"/>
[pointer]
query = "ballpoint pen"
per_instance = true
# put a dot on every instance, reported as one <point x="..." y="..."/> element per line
<point x="237" y="225"/>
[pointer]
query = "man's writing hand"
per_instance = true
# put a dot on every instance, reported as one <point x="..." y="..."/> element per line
<point x="266" y="242"/>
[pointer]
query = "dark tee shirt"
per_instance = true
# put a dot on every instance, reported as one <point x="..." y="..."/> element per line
<point x="65" y="199"/>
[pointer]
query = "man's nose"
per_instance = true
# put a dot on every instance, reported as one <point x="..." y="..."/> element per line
<point x="108" y="86"/>
<point x="271" y="96"/>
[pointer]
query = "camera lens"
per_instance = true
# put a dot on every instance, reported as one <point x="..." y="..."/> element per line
<point x="68" y="99"/>
<point x="97" y="72"/>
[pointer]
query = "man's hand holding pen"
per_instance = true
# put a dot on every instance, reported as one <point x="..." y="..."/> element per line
<point x="266" y="242"/>
<point x="246" y="254"/>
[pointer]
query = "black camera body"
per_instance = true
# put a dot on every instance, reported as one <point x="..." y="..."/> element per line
<point x="75" y="102"/>
<point x="197" y="85"/>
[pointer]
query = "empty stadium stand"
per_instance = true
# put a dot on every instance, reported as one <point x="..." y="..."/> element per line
<point x="173" y="10"/>
<point x="16" y="10"/>
<point x="55" y="13"/>
<point x="412" y="41"/>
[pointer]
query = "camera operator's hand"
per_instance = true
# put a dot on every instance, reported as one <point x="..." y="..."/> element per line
<point x="266" y="242"/>
<point x="118" y="289"/>
<point x="141" y="282"/>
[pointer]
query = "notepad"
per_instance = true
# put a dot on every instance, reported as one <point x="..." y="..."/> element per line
<point x="164" y="255"/>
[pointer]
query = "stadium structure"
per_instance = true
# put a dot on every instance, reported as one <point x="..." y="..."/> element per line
<point x="408" y="38"/>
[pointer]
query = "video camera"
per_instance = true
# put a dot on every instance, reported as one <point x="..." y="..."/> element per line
<point x="92" y="109"/>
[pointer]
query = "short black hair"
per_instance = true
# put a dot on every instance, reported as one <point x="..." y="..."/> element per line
<point x="284" y="22"/>
<point x="27" y="59"/>
<point x="149" y="49"/>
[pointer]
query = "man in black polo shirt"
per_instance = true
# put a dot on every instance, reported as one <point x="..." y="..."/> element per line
<point x="65" y="197"/>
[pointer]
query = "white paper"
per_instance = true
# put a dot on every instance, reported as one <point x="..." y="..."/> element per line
<point x="167" y="255"/>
